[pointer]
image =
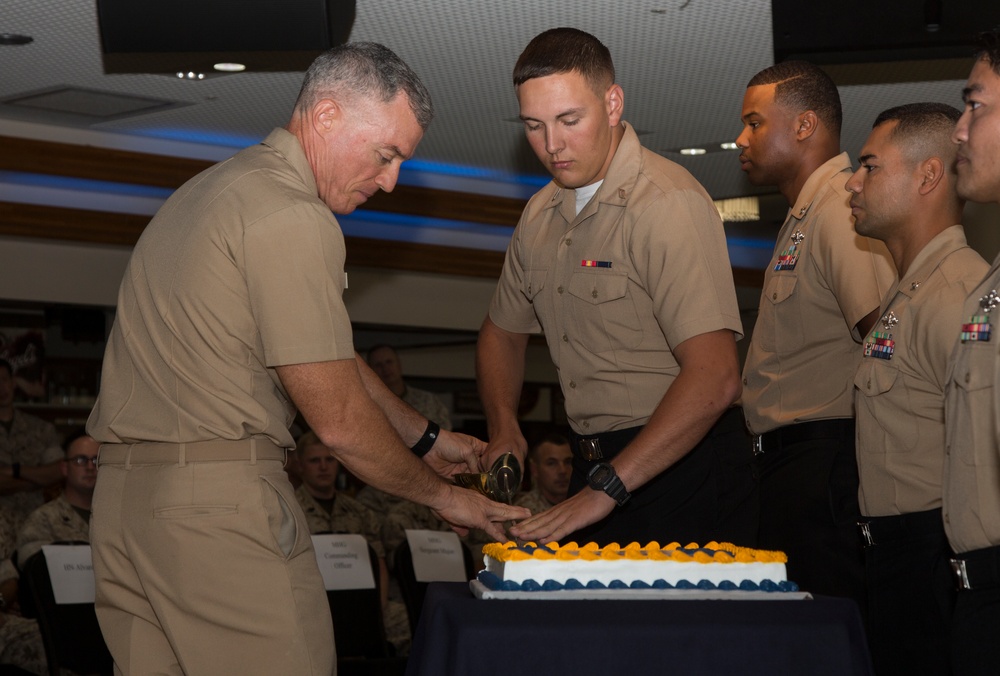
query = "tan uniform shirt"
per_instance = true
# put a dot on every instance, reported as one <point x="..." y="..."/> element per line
<point x="31" y="442"/>
<point x="972" y="433"/>
<point x="55" y="521"/>
<point x="241" y="270"/>
<point x="900" y="382"/>
<point x="641" y="269"/>
<point x="348" y="516"/>
<point x="804" y="352"/>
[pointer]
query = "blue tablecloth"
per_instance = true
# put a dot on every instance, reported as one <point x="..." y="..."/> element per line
<point x="461" y="635"/>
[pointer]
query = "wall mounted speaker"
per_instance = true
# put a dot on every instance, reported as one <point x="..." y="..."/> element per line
<point x="171" y="36"/>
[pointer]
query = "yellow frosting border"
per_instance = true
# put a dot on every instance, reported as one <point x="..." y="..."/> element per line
<point x="712" y="552"/>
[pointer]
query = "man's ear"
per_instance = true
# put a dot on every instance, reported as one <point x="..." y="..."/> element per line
<point x="325" y="115"/>
<point x="614" y="99"/>
<point x="931" y="172"/>
<point x="807" y="123"/>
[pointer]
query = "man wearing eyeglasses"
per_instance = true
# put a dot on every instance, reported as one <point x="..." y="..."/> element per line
<point x="67" y="518"/>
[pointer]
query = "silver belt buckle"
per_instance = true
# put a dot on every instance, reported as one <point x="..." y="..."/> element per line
<point x="961" y="574"/>
<point x="758" y="445"/>
<point x="590" y="449"/>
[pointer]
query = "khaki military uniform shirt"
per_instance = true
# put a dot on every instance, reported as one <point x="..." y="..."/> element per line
<point x="972" y="425"/>
<point x="900" y="382"/>
<point x="55" y="521"/>
<point x="615" y="289"/>
<point x="240" y="271"/>
<point x="823" y="279"/>
<point x="348" y="516"/>
<point x="31" y="441"/>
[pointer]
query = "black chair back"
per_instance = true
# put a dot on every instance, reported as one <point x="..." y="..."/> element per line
<point x="358" y="627"/>
<point x="70" y="633"/>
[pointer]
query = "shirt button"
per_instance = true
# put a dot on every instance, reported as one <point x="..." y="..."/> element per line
<point x="744" y="381"/>
<point x="946" y="519"/>
<point x="967" y="377"/>
<point x="586" y="423"/>
<point x="560" y="289"/>
<point x="569" y="240"/>
<point x="869" y="384"/>
<point x="565" y="339"/>
<point x="774" y="296"/>
<point x="572" y="385"/>
<point x="594" y="293"/>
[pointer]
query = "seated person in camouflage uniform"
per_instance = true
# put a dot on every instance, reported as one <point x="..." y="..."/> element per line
<point x="20" y="641"/>
<point x="550" y="464"/>
<point x="67" y="518"/>
<point x="328" y="511"/>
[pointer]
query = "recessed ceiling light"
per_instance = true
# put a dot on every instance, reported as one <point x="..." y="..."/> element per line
<point x="693" y="151"/>
<point x="729" y="145"/>
<point x="230" y="67"/>
<point x="15" y="39"/>
<point x="190" y="75"/>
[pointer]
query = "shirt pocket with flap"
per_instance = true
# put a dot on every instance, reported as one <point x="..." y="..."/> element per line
<point x="884" y="394"/>
<point x="603" y="311"/>
<point x="974" y="380"/>
<point x="780" y="326"/>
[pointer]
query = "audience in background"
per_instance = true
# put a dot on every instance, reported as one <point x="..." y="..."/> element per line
<point x="550" y="464"/>
<point x="67" y="517"/>
<point x="328" y="511"/>
<point x="29" y="455"/>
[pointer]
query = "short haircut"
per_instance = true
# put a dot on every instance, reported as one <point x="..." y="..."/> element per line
<point x="307" y="439"/>
<point x="563" y="50"/>
<point x="73" y="435"/>
<point x="988" y="48"/>
<point x="923" y="129"/>
<point x="802" y="86"/>
<point x="4" y="364"/>
<point x="380" y="346"/>
<point x="551" y="438"/>
<point x="366" y="70"/>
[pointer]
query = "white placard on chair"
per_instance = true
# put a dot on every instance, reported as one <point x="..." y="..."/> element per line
<point x="343" y="561"/>
<point x="437" y="556"/>
<point x="71" y="572"/>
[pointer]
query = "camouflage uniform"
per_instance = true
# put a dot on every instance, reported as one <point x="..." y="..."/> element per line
<point x="56" y="520"/>
<point x="350" y="516"/>
<point x="20" y="640"/>
<point x="428" y="405"/>
<point x="31" y="442"/>
<point x="533" y="500"/>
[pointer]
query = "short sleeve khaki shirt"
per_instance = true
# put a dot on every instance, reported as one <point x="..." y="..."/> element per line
<point x="822" y="280"/>
<point x="972" y="423"/>
<point x="241" y="270"/>
<point x="900" y="382"/>
<point x="641" y="269"/>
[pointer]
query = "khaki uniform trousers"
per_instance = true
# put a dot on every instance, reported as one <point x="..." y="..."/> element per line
<point x="204" y="564"/>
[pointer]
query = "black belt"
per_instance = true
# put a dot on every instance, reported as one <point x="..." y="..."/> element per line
<point x="881" y="530"/>
<point x="603" y="446"/>
<point x="776" y="439"/>
<point x="978" y="569"/>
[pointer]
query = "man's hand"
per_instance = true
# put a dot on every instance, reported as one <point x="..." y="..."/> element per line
<point x="507" y="443"/>
<point x="469" y="509"/>
<point x="454" y="453"/>
<point x="586" y="507"/>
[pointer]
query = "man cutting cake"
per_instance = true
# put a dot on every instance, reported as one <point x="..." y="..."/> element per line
<point x="621" y="262"/>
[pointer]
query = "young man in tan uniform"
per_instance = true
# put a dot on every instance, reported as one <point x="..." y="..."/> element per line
<point x="621" y="262"/>
<point x="904" y="195"/>
<point x="972" y="465"/>
<point x="230" y="315"/>
<point x="821" y="295"/>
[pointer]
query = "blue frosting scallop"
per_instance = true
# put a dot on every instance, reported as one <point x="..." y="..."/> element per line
<point x="706" y="585"/>
<point x="617" y="584"/>
<point x="573" y="583"/>
<point x="662" y="584"/>
<point x="685" y="584"/>
<point x="551" y="585"/>
<point x="639" y="584"/>
<point x="596" y="584"/>
<point x="748" y="585"/>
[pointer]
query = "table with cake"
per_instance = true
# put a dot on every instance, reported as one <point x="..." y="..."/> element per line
<point x="660" y="609"/>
